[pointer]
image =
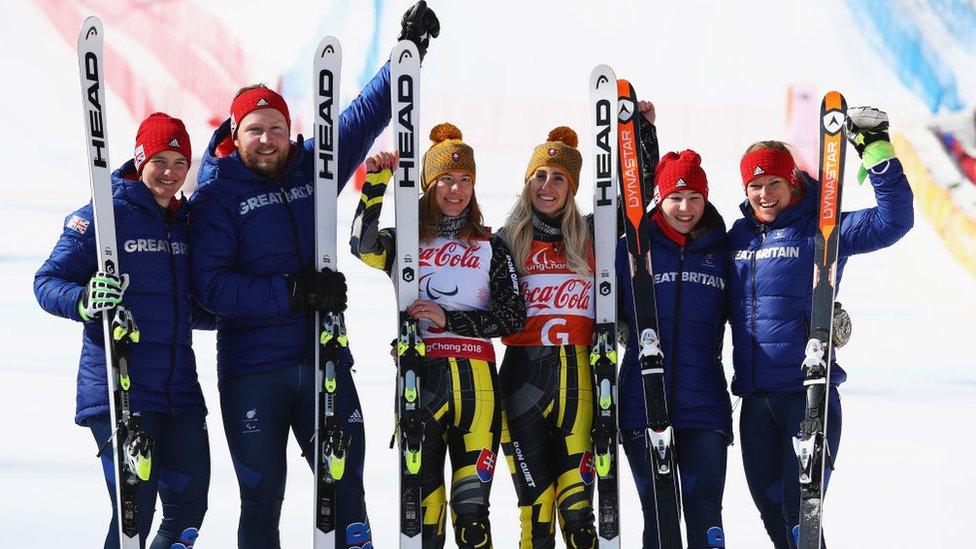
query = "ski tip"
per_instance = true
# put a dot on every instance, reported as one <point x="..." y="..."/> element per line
<point x="405" y="51"/>
<point x="90" y="27"/>
<point x="600" y="76"/>
<point x="329" y="45"/>
<point x="623" y="87"/>
<point x="834" y="100"/>
<point x="833" y="112"/>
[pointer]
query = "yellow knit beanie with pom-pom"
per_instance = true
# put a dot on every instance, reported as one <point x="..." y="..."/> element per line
<point x="447" y="153"/>
<point x="559" y="150"/>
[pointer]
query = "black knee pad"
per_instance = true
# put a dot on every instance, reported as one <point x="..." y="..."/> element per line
<point x="472" y="533"/>
<point x="581" y="536"/>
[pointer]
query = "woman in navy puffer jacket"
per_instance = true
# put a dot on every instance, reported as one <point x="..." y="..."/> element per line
<point x="688" y="250"/>
<point x="772" y="250"/>
<point x="151" y="231"/>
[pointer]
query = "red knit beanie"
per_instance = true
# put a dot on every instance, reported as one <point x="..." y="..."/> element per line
<point x="768" y="161"/>
<point x="252" y="100"/>
<point x="680" y="172"/>
<point x="160" y="132"/>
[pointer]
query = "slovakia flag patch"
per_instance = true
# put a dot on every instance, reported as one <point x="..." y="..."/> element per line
<point x="485" y="465"/>
<point x="586" y="470"/>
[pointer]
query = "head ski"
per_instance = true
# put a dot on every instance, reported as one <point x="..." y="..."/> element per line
<point x="330" y="442"/>
<point x="405" y="81"/>
<point x="127" y="427"/>
<point x="603" y="356"/>
<point x="810" y="442"/>
<point x="659" y="434"/>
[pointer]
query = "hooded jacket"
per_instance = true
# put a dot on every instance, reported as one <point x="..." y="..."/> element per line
<point x="248" y="231"/>
<point x="770" y="284"/>
<point x="690" y="290"/>
<point x="152" y="247"/>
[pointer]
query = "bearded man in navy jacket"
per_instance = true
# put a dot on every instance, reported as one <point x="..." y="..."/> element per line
<point x="252" y="236"/>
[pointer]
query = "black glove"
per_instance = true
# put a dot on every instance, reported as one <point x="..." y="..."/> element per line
<point x="317" y="291"/>
<point x="419" y="25"/>
<point x="649" y="157"/>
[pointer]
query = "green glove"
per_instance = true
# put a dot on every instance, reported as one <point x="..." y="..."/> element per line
<point x="102" y="293"/>
<point x="867" y="130"/>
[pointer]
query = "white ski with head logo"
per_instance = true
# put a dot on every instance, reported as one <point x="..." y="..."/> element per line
<point x="603" y="357"/>
<point x="90" y="65"/>
<point x="330" y="332"/>
<point x="405" y="97"/>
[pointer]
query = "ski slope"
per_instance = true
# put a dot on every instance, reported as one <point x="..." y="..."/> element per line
<point x="506" y="73"/>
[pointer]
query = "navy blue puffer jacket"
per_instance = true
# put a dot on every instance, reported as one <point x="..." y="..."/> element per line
<point x="248" y="230"/>
<point x="770" y="284"/>
<point x="153" y="252"/>
<point x="689" y="284"/>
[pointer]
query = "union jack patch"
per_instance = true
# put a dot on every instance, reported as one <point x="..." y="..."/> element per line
<point x="77" y="223"/>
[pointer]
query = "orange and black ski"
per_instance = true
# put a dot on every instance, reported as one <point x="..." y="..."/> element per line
<point x="659" y="434"/>
<point x="810" y="442"/>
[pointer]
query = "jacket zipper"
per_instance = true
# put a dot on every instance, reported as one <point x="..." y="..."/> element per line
<point x="296" y="235"/>
<point x="677" y="331"/>
<point x="176" y="311"/>
<point x="755" y="342"/>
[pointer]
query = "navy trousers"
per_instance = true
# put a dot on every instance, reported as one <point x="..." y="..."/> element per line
<point x="180" y="475"/>
<point x="702" y="455"/>
<point x="766" y="427"/>
<point x="258" y="412"/>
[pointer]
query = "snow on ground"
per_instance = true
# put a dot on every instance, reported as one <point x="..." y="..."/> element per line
<point x="506" y="75"/>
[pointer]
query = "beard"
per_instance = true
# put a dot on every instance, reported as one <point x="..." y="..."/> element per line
<point x="264" y="165"/>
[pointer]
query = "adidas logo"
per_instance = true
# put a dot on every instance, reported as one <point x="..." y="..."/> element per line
<point x="680" y="183"/>
<point x="355" y="417"/>
<point x="758" y="171"/>
<point x="174" y="143"/>
<point x="262" y="102"/>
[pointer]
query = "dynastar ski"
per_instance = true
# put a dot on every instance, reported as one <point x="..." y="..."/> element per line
<point x="405" y="94"/>
<point x="130" y="447"/>
<point x="330" y="442"/>
<point x="603" y="356"/>
<point x="659" y="434"/>
<point x="810" y="442"/>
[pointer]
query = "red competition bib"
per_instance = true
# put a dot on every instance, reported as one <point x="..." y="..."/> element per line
<point x="558" y="302"/>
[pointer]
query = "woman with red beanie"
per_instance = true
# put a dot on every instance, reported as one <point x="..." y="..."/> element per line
<point x="770" y="288"/>
<point x="688" y="251"/>
<point x="154" y="289"/>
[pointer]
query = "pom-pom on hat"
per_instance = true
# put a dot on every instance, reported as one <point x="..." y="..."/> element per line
<point x="559" y="150"/>
<point x="157" y="133"/>
<point x="767" y="161"/>
<point x="446" y="153"/>
<point x="253" y="99"/>
<point x="680" y="172"/>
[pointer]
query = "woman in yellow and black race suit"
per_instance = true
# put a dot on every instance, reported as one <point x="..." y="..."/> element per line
<point x="546" y="378"/>
<point x="469" y="294"/>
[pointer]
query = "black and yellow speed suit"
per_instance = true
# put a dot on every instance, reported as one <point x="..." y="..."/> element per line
<point x="547" y="396"/>
<point x="460" y="407"/>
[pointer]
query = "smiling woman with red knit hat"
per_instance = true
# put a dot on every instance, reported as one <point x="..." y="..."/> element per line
<point x="688" y="250"/>
<point x="154" y="290"/>
<point x="469" y="294"/>
<point x="772" y="250"/>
